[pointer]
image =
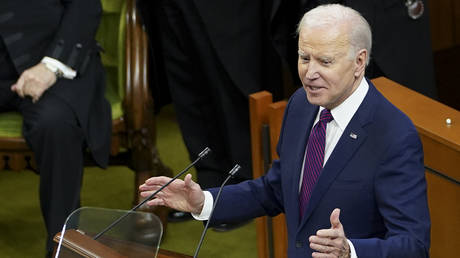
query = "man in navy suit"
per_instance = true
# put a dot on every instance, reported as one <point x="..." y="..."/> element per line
<point x="368" y="198"/>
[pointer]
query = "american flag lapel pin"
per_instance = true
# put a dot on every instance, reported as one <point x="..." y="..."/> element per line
<point x="353" y="135"/>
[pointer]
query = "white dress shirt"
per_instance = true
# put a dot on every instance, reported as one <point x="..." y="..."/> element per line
<point x="55" y="65"/>
<point x="342" y="115"/>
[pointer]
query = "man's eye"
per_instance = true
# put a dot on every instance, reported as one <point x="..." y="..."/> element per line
<point x="305" y="59"/>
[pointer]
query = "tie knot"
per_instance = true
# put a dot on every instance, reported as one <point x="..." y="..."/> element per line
<point x="326" y="116"/>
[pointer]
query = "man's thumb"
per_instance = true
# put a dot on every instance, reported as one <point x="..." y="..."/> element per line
<point x="335" y="221"/>
<point x="188" y="180"/>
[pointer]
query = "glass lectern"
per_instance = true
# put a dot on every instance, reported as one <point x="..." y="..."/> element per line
<point x="99" y="232"/>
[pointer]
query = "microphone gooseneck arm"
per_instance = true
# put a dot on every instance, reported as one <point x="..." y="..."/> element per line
<point x="230" y="174"/>
<point x="203" y="153"/>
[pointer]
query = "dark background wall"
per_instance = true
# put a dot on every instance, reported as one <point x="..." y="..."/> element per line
<point x="445" y="38"/>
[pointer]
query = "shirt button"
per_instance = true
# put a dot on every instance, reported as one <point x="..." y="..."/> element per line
<point x="298" y="244"/>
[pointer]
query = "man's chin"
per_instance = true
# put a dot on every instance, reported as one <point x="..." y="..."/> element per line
<point x="315" y="99"/>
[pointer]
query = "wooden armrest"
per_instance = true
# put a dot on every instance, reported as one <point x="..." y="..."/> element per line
<point x="138" y="102"/>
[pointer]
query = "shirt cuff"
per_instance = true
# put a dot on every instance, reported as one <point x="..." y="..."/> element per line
<point x="352" y="250"/>
<point x="55" y="65"/>
<point x="207" y="207"/>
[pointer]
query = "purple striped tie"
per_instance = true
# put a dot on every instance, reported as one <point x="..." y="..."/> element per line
<point x="314" y="159"/>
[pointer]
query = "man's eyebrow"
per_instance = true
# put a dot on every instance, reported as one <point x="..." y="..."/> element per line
<point x="326" y="58"/>
<point x="300" y="52"/>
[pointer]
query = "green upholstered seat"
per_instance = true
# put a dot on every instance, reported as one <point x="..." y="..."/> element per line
<point x="111" y="36"/>
<point x="10" y="124"/>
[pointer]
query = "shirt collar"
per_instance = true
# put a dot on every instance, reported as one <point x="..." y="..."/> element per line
<point x="344" y="112"/>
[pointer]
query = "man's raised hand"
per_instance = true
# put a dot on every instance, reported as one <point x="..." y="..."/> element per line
<point x="331" y="242"/>
<point x="184" y="195"/>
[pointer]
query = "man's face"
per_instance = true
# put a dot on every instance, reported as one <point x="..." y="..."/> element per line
<point x="325" y="68"/>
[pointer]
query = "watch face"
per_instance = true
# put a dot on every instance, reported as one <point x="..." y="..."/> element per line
<point x="59" y="73"/>
<point x="415" y="8"/>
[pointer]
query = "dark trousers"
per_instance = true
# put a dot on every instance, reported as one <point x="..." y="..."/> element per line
<point x="52" y="131"/>
<point x="211" y="111"/>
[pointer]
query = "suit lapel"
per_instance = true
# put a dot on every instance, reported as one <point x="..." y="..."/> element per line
<point x="350" y="141"/>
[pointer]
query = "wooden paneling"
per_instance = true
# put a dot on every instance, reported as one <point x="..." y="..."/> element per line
<point x="441" y="146"/>
<point x="443" y="198"/>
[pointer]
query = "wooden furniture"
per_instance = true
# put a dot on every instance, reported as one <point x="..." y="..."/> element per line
<point x="441" y="145"/>
<point x="76" y="244"/>
<point x="265" y="124"/>
<point x="169" y="254"/>
<point x="133" y="126"/>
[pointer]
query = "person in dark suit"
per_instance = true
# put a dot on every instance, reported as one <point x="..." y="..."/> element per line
<point x="401" y="34"/>
<point x="215" y="54"/>
<point x="350" y="177"/>
<point x="52" y="74"/>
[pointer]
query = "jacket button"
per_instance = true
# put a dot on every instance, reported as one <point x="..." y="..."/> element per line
<point x="298" y="244"/>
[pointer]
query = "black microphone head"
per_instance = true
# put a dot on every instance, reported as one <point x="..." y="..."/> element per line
<point x="234" y="170"/>
<point x="204" y="152"/>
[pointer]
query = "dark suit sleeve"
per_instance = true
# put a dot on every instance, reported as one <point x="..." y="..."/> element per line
<point x="400" y="191"/>
<point x="252" y="198"/>
<point x="74" y="40"/>
<point x="249" y="199"/>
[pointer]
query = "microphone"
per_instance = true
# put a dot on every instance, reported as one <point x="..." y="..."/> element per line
<point x="231" y="173"/>
<point x="203" y="153"/>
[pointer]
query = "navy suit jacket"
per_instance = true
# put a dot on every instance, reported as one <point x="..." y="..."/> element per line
<point x="377" y="180"/>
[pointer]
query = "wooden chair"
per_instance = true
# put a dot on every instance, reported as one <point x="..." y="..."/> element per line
<point x="441" y="146"/>
<point x="265" y="124"/>
<point x="133" y="126"/>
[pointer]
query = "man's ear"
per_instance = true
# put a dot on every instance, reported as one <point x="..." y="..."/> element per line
<point x="360" y="62"/>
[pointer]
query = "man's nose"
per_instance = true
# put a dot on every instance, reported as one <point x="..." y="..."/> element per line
<point x="312" y="71"/>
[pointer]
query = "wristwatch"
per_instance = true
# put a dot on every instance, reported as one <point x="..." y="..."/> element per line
<point x="57" y="72"/>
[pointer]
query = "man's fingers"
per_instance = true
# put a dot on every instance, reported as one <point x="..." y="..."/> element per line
<point x="322" y="248"/>
<point x="150" y="186"/>
<point x="146" y="187"/>
<point x="158" y="180"/>
<point x="320" y="240"/>
<point x="156" y="202"/>
<point x="188" y="181"/>
<point x="330" y="242"/>
<point x="331" y="233"/>
<point x="146" y="193"/>
<point x="321" y="255"/>
<point x="18" y="86"/>
<point x="335" y="221"/>
<point x="19" y="83"/>
<point x="34" y="94"/>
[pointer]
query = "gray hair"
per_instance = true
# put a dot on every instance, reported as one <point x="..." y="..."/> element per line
<point x="360" y="35"/>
